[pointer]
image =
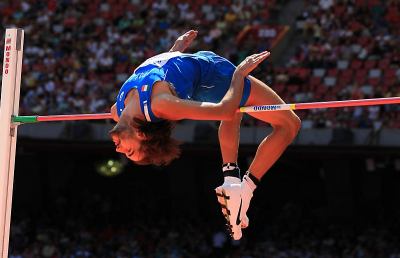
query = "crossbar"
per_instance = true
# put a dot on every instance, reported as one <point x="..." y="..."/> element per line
<point x="248" y="109"/>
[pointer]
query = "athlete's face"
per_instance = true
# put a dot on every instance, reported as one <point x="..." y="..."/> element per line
<point x="129" y="144"/>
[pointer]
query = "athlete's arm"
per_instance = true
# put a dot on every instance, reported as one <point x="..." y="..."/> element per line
<point x="184" y="41"/>
<point x="170" y="107"/>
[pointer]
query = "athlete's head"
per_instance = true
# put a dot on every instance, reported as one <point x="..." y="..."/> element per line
<point x="145" y="143"/>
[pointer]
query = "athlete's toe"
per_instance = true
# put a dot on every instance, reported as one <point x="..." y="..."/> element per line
<point x="245" y="222"/>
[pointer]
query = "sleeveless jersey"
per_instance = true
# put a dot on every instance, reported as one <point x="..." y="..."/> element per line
<point x="202" y="76"/>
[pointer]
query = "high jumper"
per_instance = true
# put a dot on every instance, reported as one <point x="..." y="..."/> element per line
<point x="201" y="86"/>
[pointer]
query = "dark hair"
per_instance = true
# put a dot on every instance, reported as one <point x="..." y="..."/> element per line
<point x="159" y="147"/>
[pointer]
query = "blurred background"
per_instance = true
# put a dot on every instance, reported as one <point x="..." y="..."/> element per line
<point x="334" y="193"/>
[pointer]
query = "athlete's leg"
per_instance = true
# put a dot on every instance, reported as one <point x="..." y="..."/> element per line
<point x="285" y="126"/>
<point x="228" y="134"/>
<point x="229" y="193"/>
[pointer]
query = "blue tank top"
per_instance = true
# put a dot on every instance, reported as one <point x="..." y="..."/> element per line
<point x="183" y="71"/>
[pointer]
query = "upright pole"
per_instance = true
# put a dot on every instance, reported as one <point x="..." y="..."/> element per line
<point x="10" y="87"/>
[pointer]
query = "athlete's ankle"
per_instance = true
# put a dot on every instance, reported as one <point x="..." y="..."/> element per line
<point x="231" y="173"/>
<point x="251" y="181"/>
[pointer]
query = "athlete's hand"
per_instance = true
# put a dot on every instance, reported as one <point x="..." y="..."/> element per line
<point x="184" y="41"/>
<point x="251" y="62"/>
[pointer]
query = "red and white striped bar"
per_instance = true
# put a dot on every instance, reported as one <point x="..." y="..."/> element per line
<point x="99" y="116"/>
<point x="316" y="105"/>
<point x="249" y="109"/>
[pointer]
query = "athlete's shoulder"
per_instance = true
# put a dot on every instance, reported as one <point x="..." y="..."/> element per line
<point x="159" y="60"/>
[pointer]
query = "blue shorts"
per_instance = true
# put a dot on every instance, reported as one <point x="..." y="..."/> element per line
<point x="217" y="80"/>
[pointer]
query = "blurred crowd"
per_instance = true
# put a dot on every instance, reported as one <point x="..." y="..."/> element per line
<point x="78" y="53"/>
<point x="86" y="234"/>
<point x="350" y="51"/>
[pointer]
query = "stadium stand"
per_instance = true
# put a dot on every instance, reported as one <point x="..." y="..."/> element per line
<point x="349" y="50"/>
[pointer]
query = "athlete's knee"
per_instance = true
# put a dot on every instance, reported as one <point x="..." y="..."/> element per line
<point x="295" y="123"/>
<point x="290" y="123"/>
